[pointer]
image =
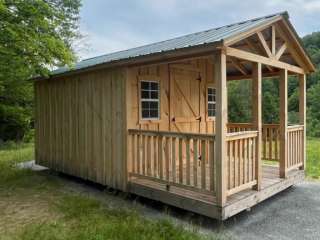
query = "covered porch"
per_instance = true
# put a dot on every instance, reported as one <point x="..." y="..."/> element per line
<point x="225" y="171"/>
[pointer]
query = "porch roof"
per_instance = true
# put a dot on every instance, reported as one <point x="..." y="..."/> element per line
<point x="203" y="38"/>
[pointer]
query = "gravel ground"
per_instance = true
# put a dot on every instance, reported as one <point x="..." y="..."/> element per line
<point x="291" y="214"/>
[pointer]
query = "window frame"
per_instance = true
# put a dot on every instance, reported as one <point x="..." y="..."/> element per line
<point x="210" y="118"/>
<point x="154" y="79"/>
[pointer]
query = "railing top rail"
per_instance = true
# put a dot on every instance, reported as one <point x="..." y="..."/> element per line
<point x="295" y="128"/>
<point x="271" y="125"/>
<point x="241" y="135"/>
<point x="251" y="125"/>
<point x="172" y="134"/>
<point x="239" y="124"/>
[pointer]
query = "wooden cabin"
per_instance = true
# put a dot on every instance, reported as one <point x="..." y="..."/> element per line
<point x="153" y="120"/>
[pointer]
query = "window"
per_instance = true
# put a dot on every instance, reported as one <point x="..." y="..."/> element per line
<point x="211" y="102"/>
<point x="149" y="99"/>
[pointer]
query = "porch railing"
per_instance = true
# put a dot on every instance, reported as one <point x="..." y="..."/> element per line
<point x="176" y="159"/>
<point x="187" y="160"/>
<point x="271" y="142"/>
<point x="270" y="138"/>
<point x="295" y="146"/>
<point x="241" y="160"/>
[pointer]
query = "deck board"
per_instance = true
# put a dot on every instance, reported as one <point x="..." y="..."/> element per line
<point x="205" y="203"/>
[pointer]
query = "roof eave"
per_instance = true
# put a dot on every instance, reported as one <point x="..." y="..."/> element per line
<point x="308" y="59"/>
<point x="165" y="56"/>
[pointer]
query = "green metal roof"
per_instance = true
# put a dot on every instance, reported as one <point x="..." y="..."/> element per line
<point x="190" y="40"/>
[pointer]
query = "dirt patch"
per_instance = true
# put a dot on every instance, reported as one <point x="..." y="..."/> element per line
<point x="18" y="211"/>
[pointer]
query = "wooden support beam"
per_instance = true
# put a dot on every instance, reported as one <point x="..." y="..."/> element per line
<point x="264" y="44"/>
<point x="220" y="73"/>
<point x="302" y="114"/>
<point x="249" y="76"/>
<point x="273" y="40"/>
<point x="236" y="63"/>
<point x="290" y="46"/>
<point x="264" y="60"/>
<point x="255" y="48"/>
<point x="283" y="122"/>
<point x="257" y="118"/>
<point x="281" y="51"/>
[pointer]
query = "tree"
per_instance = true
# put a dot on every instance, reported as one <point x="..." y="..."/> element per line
<point x="36" y="36"/>
<point x="312" y="44"/>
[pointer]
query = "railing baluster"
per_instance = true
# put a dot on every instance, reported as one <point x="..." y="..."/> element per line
<point x="211" y="164"/>
<point x="276" y="157"/>
<point x="240" y="163"/>
<point x="133" y="165"/>
<point x="155" y="155"/>
<point x="143" y="154"/>
<point x="173" y="153"/>
<point x="253" y="157"/>
<point x="235" y="165"/>
<point x="167" y="154"/>
<point x="180" y="162"/>
<point x="138" y="153"/>
<point x="195" y="162"/>
<point x="148" y="155"/>
<point x="245" y="160"/>
<point x="265" y="143"/>
<point x="188" y="160"/>
<point x="270" y="143"/>
<point x="229" y="143"/>
<point x="203" y="164"/>
<point x="160" y="158"/>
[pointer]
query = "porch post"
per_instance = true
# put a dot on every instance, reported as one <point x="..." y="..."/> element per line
<point x="283" y="122"/>
<point x="221" y="125"/>
<point x="257" y="117"/>
<point x="302" y="114"/>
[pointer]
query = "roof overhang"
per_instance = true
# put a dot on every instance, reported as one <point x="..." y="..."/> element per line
<point x="199" y="50"/>
<point x="154" y="58"/>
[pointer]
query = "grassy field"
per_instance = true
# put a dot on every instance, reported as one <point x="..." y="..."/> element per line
<point x="313" y="158"/>
<point x="34" y="205"/>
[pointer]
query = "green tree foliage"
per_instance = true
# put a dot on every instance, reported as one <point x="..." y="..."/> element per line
<point x="36" y="36"/>
<point x="239" y="101"/>
<point x="312" y="44"/>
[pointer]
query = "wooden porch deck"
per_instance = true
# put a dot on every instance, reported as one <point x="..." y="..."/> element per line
<point x="205" y="203"/>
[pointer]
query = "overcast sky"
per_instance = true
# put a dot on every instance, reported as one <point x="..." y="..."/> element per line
<point x="113" y="25"/>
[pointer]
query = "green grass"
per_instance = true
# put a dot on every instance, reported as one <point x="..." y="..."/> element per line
<point x="35" y="205"/>
<point x="313" y="158"/>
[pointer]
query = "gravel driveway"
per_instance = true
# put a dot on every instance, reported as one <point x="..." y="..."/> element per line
<point x="291" y="214"/>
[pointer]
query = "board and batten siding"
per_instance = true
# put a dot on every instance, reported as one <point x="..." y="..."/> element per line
<point x="81" y="126"/>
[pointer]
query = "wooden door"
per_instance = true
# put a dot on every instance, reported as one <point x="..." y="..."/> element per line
<point x="185" y="100"/>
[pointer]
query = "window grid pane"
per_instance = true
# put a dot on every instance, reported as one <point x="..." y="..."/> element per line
<point x="211" y="102"/>
<point x="149" y="100"/>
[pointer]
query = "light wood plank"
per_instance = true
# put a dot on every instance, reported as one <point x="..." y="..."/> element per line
<point x="283" y="122"/>
<point x="264" y="44"/>
<point x="302" y="116"/>
<point x="264" y="60"/>
<point x="221" y="120"/>
<point x="257" y="117"/>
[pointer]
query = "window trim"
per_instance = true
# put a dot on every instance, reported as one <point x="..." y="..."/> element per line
<point x="149" y="78"/>
<point x="210" y="118"/>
